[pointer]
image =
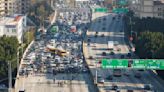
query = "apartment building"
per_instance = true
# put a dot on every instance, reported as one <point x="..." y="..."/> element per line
<point x="9" y="7"/>
<point x="13" y="26"/>
<point x="147" y="8"/>
<point x="23" y="6"/>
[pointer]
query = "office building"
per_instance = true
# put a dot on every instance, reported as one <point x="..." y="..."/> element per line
<point x="147" y="8"/>
<point x="10" y="7"/>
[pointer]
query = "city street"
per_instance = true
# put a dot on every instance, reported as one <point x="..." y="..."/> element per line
<point x="102" y="23"/>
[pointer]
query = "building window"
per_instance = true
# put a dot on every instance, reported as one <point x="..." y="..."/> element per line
<point x="159" y="14"/>
<point x="14" y="30"/>
<point x="8" y="30"/>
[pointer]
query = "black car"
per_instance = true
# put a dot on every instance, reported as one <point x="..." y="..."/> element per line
<point x="112" y="53"/>
<point x="104" y="53"/>
<point x="102" y="35"/>
<point x="90" y="57"/>
<point x="122" y="56"/>
<point x="129" y="55"/>
<point x="103" y="28"/>
<point x="147" y="87"/>
<point x="137" y="75"/>
<point x="89" y="40"/>
<point x="114" y="87"/>
<point x="109" y="78"/>
<point x="113" y="18"/>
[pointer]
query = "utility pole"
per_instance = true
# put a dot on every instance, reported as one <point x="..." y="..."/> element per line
<point x="10" y="76"/>
<point x="130" y="26"/>
<point x="96" y="73"/>
<point x="18" y="59"/>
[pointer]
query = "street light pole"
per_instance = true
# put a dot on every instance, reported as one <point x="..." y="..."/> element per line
<point x="18" y="59"/>
<point x="96" y="73"/>
<point x="130" y="26"/>
<point x="10" y="76"/>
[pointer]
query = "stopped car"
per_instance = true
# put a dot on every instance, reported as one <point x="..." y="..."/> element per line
<point x="137" y="75"/>
<point x="102" y="35"/>
<point x="129" y="55"/>
<point x="103" y="28"/>
<point x="113" y="18"/>
<point x="109" y="77"/>
<point x="100" y="79"/>
<point x="148" y="87"/>
<point x="122" y="56"/>
<point x="104" y="54"/>
<point x="89" y="40"/>
<point x="114" y="87"/>
<point x="112" y="53"/>
<point x="90" y="57"/>
<point x="117" y="72"/>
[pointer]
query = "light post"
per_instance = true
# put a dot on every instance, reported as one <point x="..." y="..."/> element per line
<point x="96" y="73"/>
<point x="9" y="69"/>
<point x="18" y="58"/>
<point x="130" y="26"/>
<point x="152" y="54"/>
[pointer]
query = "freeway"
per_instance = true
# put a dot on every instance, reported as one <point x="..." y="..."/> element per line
<point x="46" y="71"/>
<point x="102" y="23"/>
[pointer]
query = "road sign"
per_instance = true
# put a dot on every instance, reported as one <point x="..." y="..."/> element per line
<point x="155" y="64"/>
<point x="120" y="10"/>
<point x="134" y="63"/>
<point x="139" y="64"/>
<point x="114" y="63"/>
<point x="101" y="10"/>
<point x="122" y="2"/>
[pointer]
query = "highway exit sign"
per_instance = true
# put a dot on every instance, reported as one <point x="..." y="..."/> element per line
<point x="120" y="10"/>
<point x="114" y="63"/>
<point x="157" y="64"/>
<point x="101" y="10"/>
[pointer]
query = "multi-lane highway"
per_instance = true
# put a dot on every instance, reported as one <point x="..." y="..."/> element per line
<point x="44" y="71"/>
<point x="103" y="24"/>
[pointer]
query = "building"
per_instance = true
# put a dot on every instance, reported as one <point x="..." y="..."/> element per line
<point x="22" y="6"/>
<point x="147" y="8"/>
<point x="13" y="26"/>
<point x="9" y="7"/>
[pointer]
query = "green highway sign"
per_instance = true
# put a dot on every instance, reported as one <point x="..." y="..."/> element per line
<point x="122" y="2"/>
<point x="140" y="64"/>
<point x="120" y="10"/>
<point x="101" y="10"/>
<point x="157" y="64"/>
<point x="114" y="63"/>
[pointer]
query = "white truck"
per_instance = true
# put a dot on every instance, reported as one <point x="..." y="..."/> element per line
<point x="110" y="45"/>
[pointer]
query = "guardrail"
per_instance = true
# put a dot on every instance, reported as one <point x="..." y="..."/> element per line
<point x="24" y="54"/>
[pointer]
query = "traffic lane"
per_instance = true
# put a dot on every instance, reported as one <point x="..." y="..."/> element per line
<point x="144" y="79"/>
<point x="114" y="28"/>
<point x="157" y="85"/>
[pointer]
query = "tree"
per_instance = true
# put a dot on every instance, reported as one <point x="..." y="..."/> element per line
<point x="8" y="53"/>
<point x="150" y="44"/>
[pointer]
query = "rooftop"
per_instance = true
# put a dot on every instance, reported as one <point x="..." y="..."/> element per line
<point x="10" y="20"/>
<point x="158" y="2"/>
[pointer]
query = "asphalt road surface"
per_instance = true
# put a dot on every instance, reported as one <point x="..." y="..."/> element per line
<point x="113" y="31"/>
